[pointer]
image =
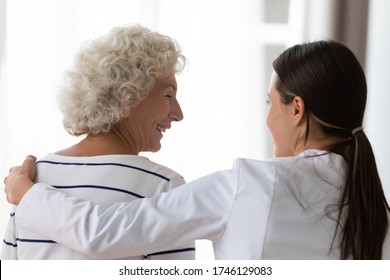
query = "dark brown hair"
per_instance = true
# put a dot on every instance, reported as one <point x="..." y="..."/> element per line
<point x="331" y="82"/>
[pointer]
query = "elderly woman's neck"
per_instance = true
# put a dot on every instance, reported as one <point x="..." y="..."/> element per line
<point x="99" y="144"/>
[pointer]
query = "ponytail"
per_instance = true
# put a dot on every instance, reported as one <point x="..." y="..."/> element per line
<point x="363" y="203"/>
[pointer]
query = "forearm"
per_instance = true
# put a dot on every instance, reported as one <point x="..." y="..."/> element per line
<point x="49" y="212"/>
<point x="90" y="229"/>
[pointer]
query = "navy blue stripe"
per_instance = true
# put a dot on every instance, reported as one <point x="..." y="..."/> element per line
<point x="105" y="164"/>
<point x="28" y="241"/>
<point x="35" y="240"/>
<point x="12" y="214"/>
<point x="9" y="243"/>
<point x="99" y="187"/>
<point x="51" y="241"/>
<point x="171" y="252"/>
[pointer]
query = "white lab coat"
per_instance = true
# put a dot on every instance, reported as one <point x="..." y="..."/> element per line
<point x="275" y="209"/>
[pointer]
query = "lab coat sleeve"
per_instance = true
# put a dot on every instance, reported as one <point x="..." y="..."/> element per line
<point x="198" y="210"/>
<point x="185" y="252"/>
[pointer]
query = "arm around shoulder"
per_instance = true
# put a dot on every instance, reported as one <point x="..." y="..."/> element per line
<point x="198" y="210"/>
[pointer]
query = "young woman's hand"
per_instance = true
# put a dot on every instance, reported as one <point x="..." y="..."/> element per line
<point x="20" y="180"/>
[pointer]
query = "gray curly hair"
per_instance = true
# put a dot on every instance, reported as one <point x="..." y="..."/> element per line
<point x="113" y="74"/>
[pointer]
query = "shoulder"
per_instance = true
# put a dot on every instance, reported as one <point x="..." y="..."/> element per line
<point x="159" y="168"/>
<point x="246" y="165"/>
<point x="135" y="163"/>
<point x="310" y="163"/>
<point x="314" y="165"/>
<point x="254" y="174"/>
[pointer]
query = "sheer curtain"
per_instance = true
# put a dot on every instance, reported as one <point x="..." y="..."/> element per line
<point x="345" y="21"/>
<point x="377" y="68"/>
<point x="230" y="45"/>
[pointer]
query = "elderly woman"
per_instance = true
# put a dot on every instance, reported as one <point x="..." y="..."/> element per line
<point x="121" y="94"/>
<point x="320" y="197"/>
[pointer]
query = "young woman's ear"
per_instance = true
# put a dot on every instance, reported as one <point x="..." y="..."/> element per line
<point x="298" y="110"/>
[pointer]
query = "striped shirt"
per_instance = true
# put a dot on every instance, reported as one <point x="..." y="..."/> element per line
<point x="101" y="179"/>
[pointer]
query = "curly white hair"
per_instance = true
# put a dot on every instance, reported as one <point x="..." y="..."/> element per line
<point x="113" y="74"/>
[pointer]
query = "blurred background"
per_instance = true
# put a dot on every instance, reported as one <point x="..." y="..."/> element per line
<point x="230" y="45"/>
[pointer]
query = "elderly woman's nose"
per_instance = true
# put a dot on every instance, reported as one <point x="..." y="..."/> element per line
<point x="176" y="112"/>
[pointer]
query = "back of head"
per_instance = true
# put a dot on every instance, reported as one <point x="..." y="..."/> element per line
<point x="329" y="79"/>
<point x="113" y="74"/>
<point x="332" y="84"/>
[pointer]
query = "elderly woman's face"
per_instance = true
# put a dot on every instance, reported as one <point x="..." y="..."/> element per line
<point x="153" y="116"/>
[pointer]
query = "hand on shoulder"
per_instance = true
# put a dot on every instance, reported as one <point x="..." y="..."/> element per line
<point x="20" y="180"/>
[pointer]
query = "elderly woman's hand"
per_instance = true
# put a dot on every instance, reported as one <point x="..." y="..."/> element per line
<point x="20" y="180"/>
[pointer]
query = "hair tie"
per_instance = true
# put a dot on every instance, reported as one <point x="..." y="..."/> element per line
<point x="356" y="130"/>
